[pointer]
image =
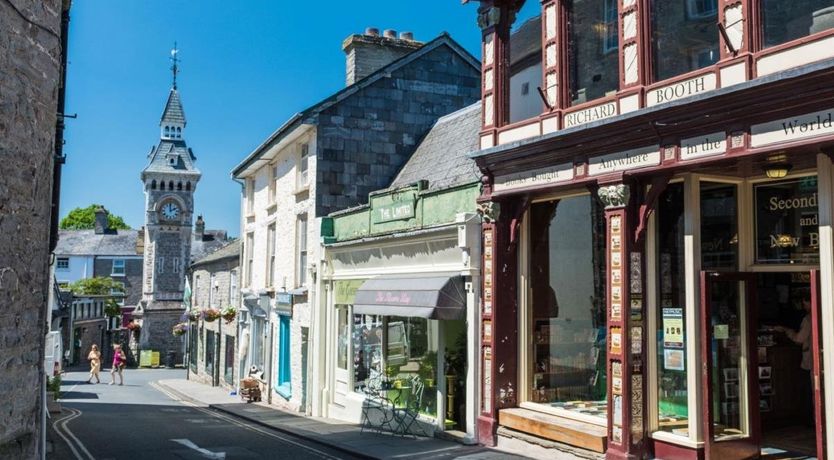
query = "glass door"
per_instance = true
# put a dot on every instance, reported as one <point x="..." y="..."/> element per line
<point x="342" y="376"/>
<point x="729" y="363"/>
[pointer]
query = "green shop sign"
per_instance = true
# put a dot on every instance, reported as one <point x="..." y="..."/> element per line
<point x="345" y="291"/>
<point x="400" y="210"/>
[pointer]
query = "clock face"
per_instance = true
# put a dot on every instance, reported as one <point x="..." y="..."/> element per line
<point x="170" y="211"/>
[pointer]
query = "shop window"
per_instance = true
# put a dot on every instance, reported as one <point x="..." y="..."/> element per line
<point x="684" y="36"/>
<point x="787" y="222"/>
<point x="593" y="71"/>
<point x="526" y="63"/>
<point x="392" y="353"/>
<point x="229" y="364"/>
<point x="283" y="383"/>
<point x="719" y="226"/>
<point x="672" y="405"/>
<point x="568" y="326"/>
<point x="786" y="21"/>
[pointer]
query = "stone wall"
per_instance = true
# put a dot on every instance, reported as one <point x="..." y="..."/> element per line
<point x="30" y="74"/>
<point x="132" y="279"/>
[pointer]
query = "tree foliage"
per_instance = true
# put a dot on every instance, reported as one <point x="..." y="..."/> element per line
<point x="100" y="285"/>
<point x="85" y="218"/>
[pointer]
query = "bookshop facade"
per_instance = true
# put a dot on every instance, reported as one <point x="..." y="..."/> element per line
<point x="658" y="273"/>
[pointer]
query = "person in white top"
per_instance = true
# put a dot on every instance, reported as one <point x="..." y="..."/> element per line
<point x="802" y="337"/>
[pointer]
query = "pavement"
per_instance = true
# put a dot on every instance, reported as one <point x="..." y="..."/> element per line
<point x="342" y="436"/>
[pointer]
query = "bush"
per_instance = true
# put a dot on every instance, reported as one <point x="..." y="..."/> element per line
<point x="53" y="384"/>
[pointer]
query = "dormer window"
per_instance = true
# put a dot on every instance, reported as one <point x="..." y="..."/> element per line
<point x="167" y="132"/>
<point x="179" y="133"/>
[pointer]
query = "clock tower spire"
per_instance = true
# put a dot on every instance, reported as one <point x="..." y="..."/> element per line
<point x="169" y="180"/>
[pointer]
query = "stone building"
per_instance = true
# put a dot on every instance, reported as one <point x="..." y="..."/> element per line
<point x="32" y="59"/>
<point x="330" y="157"/>
<point x="212" y="346"/>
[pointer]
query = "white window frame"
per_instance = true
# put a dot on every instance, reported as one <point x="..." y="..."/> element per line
<point x="114" y="292"/>
<point x="273" y="182"/>
<point x="212" y="298"/>
<point x="270" y="254"/>
<point x="118" y="272"/>
<point x="160" y="265"/>
<point x="233" y="288"/>
<point x="250" y="196"/>
<point x="301" y="252"/>
<point x="250" y="241"/>
<point x="303" y="180"/>
<point x="175" y="264"/>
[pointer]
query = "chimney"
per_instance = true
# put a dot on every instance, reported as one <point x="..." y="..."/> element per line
<point x="368" y="52"/>
<point x="101" y="220"/>
<point x="199" y="228"/>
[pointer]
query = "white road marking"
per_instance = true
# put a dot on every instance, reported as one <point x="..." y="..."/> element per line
<point x="61" y="427"/>
<point x="206" y="452"/>
<point x="242" y="424"/>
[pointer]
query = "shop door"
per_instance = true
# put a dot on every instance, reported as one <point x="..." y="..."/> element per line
<point x="729" y="363"/>
<point x="816" y="347"/>
<point x="341" y="374"/>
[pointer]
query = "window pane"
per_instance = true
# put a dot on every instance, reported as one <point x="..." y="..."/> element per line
<point x="719" y="227"/>
<point x="411" y="362"/>
<point x="673" y="410"/>
<point x="526" y="63"/>
<point x="684" y="36"/>
<point x="343" y="337"/>
<point x="592" y="49"/>
<point x="568" y="305"/>
<point x="787" y="222"/>
<point x="367" y="352"/>
<point x="789" y="20"/>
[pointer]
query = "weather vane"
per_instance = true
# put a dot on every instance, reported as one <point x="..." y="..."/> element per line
<point x="175" y="66"/>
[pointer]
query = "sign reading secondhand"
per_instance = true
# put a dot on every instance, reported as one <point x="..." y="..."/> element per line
<point x="787" y="222"/>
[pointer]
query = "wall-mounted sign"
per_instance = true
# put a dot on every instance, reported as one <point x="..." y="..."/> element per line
<point x="283" y="303"/>
<point x="681" y="89"/>
<point x="703" y="146"/>
<point x="345" y="291"/>
<point x="794" y="128"/>
<point x="622" y="161"/>
<point x="787" y="222"/>
<point x="595" y="113"/>
<point x="542" y="176"/>
<point x="400" y="210"/>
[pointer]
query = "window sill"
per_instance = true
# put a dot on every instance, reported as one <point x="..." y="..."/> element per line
<point x="117" y="275"/>
<point x="301" y="189"/>
<point x="284" y="390"/>
<point x="271" y="207"/>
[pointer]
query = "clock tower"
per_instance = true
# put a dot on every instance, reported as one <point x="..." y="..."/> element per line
<point x="169" y="180"/>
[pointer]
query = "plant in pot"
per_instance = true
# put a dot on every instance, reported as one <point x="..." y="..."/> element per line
<point x="228" y="314"/>
<point x="427" y="368"/>
<point x="391" y="374"/>
<point x="193" y="315"/>
<point x="211" y="314"/>
<point x="179" y="329"/>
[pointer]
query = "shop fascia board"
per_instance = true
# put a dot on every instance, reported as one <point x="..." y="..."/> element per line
<point x="794" y="91"/>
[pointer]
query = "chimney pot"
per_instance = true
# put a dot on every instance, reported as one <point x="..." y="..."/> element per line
<point x="199" y="228"/>
<point x="372" y="31"/>
<point x="390" y="33"/>
<point x="406" y="36"/>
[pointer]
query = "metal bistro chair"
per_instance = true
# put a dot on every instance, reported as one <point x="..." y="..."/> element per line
<point x="406" y="416"/>
<point x="376" y="402"/>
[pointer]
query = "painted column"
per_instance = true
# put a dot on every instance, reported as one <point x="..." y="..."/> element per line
<point x="494" y="21"/>
<point x="625" y="317"/>
<point x="499" y="320"/>
<point x="826" y="223"/>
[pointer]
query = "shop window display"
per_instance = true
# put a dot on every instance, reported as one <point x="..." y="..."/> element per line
<point x="567" y="276"/>
<point x="786" y="21"/>
<point x="390" y="353"/>
<point x="672" y="409"/>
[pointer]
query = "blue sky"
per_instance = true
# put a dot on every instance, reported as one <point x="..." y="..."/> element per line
<point x="246" y="67"/>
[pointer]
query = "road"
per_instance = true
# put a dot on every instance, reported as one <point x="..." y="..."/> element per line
<point x="141" y="421"/>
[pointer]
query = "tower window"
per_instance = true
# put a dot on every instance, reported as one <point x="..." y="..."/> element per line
<point x="188" y="186"/>
<point x="167" y="132"/>
<point x="171" y="185"/>
<point x="179" y="133"/>
<point x="179" y="185"/>
<point x="153" y="184"/>
<point x="172" y="161"/>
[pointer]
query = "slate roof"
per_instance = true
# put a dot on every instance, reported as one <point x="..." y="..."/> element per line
<point x="173" y="112"/>
<point x="526" y="40"/>
<point x="229" y="251"/>
<point x="212" y="241"/>
<point x="158" y="158"/>
<point x="442" y="156"/>
<point x="88" y="243"/>
<point x="307" y="115"/>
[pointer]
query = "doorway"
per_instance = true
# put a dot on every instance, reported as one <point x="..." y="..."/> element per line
<point x="785" y="363"/>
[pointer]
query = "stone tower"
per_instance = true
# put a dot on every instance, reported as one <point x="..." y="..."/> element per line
<point x="169" y="179"/>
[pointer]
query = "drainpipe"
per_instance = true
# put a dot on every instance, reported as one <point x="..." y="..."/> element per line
<point x="268" y="363"/>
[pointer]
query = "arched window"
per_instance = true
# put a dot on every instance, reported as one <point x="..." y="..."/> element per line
<point x="188" y="186"/>
<point x="170" y="185"/>
<point x="153" y="184"/>
<point x="179" y="133"/>
<point x="179" y="185"/>
<point x="167" y="132"/>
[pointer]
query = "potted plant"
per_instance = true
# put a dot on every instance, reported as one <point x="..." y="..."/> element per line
<point x="180" y="329"/>
<point x="193" y="315"/>
<point x="427" y="365"/>
<point x="211" y="314"/>
<point x="228" y="314"/>
<point x="390" y="374"/>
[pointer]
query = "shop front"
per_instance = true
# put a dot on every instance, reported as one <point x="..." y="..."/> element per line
<point x="665" y="297"/>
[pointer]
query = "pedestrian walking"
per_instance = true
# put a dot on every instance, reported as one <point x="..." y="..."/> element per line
<point x="94" y="357"/>
<point x="119" y="361"/>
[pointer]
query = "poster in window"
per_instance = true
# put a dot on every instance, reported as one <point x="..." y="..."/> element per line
<point x="673" y="328"/>
<point x="673" y="360"/>
<point x="787" y="222"/>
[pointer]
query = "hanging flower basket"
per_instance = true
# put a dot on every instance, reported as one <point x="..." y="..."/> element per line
<point x="228" y="314"/>
<point x="193" y="315"/>
<point x="211" y="314"/>
<point x="133" y="326"/>
<point x="180" y="329"/>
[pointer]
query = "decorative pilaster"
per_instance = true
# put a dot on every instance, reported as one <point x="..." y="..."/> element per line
<point x="632" y="40"/>
<point x="494" y="21"/>
<point x="625" y="316"/>
<point x="550" y="47"/>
